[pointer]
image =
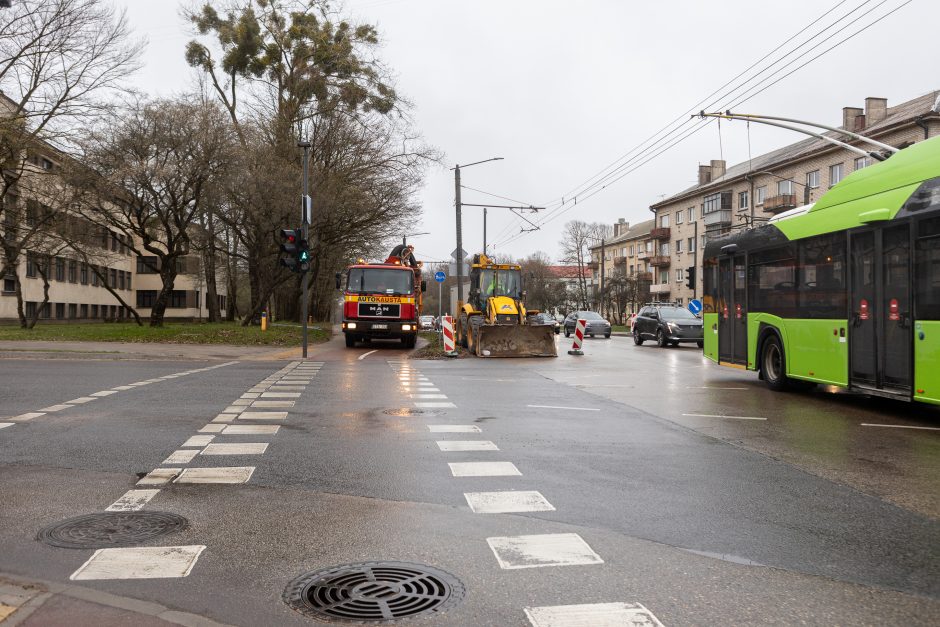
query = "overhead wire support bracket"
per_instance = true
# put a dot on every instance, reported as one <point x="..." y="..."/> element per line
<point x="755" y="117"/>
<point x="732" y="116"/>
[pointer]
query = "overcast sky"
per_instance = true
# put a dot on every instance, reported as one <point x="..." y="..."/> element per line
<point x="561" y="90"/>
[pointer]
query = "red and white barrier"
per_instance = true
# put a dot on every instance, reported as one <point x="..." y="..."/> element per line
<point x="448" y="326"/>
<point x="578" y="338"/>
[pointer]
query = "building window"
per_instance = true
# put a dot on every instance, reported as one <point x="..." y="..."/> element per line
<point x="761" y="195"/>
<point x="862" y="162"/>
<point x="112" y="283"/>
<point x="9" y="284"/>
<point x="691" y="244"/>
<point x="73" y="271"/>
<point x="59" y="269"/>
<point x="94" y="276"/>
<point x="120" y="279"/>
<point x="812" y="179"/>
<point x="30" y="265"/>
<point x="146" y="265"/>
<point x="678" y="217"/>
<point x="30" y="309"/>
<point x="679" y="276"/>
<point x="649" y="246"/>
<point x="177" y="299"/>
<point x="664" y="222"/>
<point x="146" y="298"/>
<point x="60" y="311"/>
<point x="835" y="174"/>
<point x="691" y="214"/>
<point x="711" y="203"/>
<point x="703" y="241"/>
<point x="784" y="188"/>
<point x="678" y="246"/>
<point x="83" y="311"/>
<point x="129" y="281"/>
<point x="631" y="270"/>
<point x="664" y="277"/>
<point x="46" y="312"/>
<point x="631" y="250"/>
<point x="73" y="311"/>
<point x="94" y="311"/>
<point x="83" y="274"/>
<point x="743" y="200"/>
<point x="664" y="249"/>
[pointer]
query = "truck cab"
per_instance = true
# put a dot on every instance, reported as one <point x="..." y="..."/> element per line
<point x="381" y="301"/>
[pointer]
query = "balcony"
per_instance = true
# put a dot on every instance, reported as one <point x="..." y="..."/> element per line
<point x="716" y="218"/>
<point x="620" y="261"/>
<point x="660" y="233"/>
<point x="783" y="202"/>
<point x="642" y="254"/>
<point x="659" y="288"/>
<point x="660" y="261"/>
<point x="644" y="276"/>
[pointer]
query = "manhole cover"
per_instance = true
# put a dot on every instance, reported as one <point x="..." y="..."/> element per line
<point x="407" y="411"/>
<point x="373" y="592"/>
<point x="107" y="529"/>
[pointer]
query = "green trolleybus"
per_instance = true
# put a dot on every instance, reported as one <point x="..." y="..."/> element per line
<point x="843" y="292"/>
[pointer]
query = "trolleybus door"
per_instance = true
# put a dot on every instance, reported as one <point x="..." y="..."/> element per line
<point x="880" y="314"/>
<point x="732" y="310"/>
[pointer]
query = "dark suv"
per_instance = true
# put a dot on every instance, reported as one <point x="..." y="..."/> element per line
<point x="668" y="325"/>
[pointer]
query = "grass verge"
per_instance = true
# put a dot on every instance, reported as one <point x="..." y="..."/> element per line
<point x="171" y="332"/>
<point x="434" y="349"/>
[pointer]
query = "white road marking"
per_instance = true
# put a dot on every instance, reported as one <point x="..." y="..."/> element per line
<point x="364" y="355"/>
<point x="549" y="549"/>
<point x="225" y="418"/>
<point x="81" y="399"/>
<point x="198" y="440"/>
<point x="300" y="382"/>
<point x="6" y="424"/>
<point x="28" y="416"/>
<point x="259" y="388"/>
<point x="250" y="429"/>
<point x="151" y="562"/>
<point x="251" y="395"/>
<point x="182" y="456"/>
<point x="211" y="428"/>
<point x="866" y="424"/>
<point x="240" y="448"/>
<point x="264" y="415"/>
<point x="720" y="416"/>
<point x="273" y="404"/>
<point x="230" y="474"/>
<point x="428" y="395"/>
<point x="104" y="393"/>
<point x="159" y="476"/>
<point x="484" y="469"/>
<point x="241" y="402"/>
<point x="434" y="404"/>
<point x="234" y="409"/>
<point x="288" y="388"/>
<point x="124" y="388"/>
<point x="560" y="407"/>
<point x="132" y="501"/>
<point x="711" y="387"/>
<point x="454" y="429"/>
<point x="52" y="408"/>
<point x="507" y="502"/>
<point x="466" y="445"/>
<point x="592" y="615"/>
<point x="280" y="395"/>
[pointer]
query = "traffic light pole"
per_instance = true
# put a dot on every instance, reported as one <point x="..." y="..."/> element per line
<point x="305" y="222"/>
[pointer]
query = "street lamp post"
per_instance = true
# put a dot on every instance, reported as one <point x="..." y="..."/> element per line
<point x="457" y="205"/>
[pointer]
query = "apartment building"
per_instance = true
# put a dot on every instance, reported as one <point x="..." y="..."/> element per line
<point x="751" y="192"/>
<point x="79" y="281"/>
<point x="628" y="253"/>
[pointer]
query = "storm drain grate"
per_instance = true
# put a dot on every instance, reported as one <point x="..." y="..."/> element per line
<point x="407" y="411"/>
<point x="373" y="592"/>
<point x="109" y="529"/>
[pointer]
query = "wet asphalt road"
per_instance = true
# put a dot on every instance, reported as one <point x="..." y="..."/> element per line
<point x="762" y="509"/>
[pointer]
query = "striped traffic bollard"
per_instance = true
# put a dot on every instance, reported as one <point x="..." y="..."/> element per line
<point x="578" y="338"/>
<point x="449" y="348"/>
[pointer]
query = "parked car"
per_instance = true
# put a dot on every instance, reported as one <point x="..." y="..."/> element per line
<point x="546" y="318"/>
<point x="668" y="325"/>
<point x="595" y="323"/>
<point x="426" y="323"/>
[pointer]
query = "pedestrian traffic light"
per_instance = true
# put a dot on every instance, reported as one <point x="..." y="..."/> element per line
<point x="290" y="246"/>
<point x="690" y="277"/>
<point x="303" y="256"/>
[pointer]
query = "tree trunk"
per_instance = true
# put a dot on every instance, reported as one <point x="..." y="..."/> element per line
<point x="212" y="294"/>
<point x="43" y="272"/>
<point x="168" y="276"/>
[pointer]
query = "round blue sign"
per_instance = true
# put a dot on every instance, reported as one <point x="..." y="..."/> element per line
<point x="439" y="276"/>
<point x="695" y="306"/>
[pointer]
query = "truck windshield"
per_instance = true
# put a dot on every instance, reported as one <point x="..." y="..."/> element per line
<point x="380" y="281"/>
<point x="501" y="283"/>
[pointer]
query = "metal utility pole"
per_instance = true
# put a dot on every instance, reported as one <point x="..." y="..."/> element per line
<point x="484" y="230"/>
<point x="695" y="245"/>
<point x="305" y="210"/>
<point x="603" y="269"/>
<point x="457" y="206"/>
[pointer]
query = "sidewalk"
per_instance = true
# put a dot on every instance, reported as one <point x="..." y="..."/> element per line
<point x="29" y="349"/>
<point x="35" y="603"/>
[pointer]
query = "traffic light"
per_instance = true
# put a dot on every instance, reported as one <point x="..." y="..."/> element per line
<point x="303" y="256"/>
<point x="690" y="278"/>
<point x="290" y="246"/>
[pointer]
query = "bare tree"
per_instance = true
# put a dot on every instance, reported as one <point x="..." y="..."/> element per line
<point x="577" y="239"/>
<point x="149" y="175"/>
<point x="60" y="60"/>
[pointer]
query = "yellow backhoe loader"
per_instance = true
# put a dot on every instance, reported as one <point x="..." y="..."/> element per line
<point x="494" y="321"/>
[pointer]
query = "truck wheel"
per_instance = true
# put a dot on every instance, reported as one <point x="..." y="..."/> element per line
<point x="409" y="341"/>
<point x="350" y="340"/>
<point x="462" y="331"/>
<point x="773" y="365"/>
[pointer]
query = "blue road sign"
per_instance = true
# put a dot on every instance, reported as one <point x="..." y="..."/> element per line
<point x="439" y="276"/>
<point x="695" y="306"/>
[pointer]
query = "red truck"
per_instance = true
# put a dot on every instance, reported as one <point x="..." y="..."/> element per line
<point x="383" y="300"/>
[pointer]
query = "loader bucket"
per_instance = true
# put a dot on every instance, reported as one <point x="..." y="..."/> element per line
<point x="515" y="340"/>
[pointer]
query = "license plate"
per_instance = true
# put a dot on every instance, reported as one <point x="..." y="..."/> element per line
<point x="379" y="326"/>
